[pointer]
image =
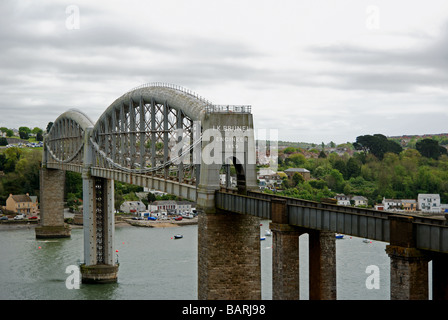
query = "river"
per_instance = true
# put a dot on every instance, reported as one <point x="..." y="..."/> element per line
<point x="155" y="266"/>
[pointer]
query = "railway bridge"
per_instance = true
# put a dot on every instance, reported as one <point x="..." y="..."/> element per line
<point x="168" y="138"/>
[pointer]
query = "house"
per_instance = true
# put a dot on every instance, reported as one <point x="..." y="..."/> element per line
<point x="21" y="204"/>
<point x="184" y="206"/>
<point x="409" y="205"/>
<point x="429" y="202"/>
<point x="171" y="206"/>
<point x="306" y="174"/>
<point x="392" y="204"/>
<point x="163" y="206"/>
<point x="132" y="206"/>
<point x="359" y="201"/>
<point x="343" y="200"/>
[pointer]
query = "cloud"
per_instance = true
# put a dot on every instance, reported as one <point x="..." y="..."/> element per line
<point x="388" y="70"/>
<point x="302" y="67"/>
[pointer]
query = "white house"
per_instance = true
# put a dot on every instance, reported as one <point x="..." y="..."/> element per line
<point x="429" y="202"/>
<point x="359" y="201"/>
<point x="392" y="204"/>
<point x="343" y="200"/>
<point x="171" y="206"/>
<point x="132" y="206"/>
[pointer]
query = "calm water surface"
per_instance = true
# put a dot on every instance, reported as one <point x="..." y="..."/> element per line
<point x="155" y="266"/>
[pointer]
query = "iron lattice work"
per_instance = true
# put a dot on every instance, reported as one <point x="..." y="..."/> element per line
<point x="65" y="141"/>
<point x="147" y="137"/>
<point x="100" y="211"/>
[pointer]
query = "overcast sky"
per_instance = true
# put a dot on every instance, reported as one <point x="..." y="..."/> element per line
<point x="320" y="70"/>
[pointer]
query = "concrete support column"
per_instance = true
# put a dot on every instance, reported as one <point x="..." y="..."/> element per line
<point x="285" y="254"/>
<point x="229" y="263"/>
<point x="322" y="265"/>
<point x="99" y="227"/>
<point x="52" y="185"/>
<point x="408" y="265"/>
<point x="440" y="277"/>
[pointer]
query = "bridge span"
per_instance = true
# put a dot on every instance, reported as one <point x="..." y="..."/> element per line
<point x="168" y="138"/>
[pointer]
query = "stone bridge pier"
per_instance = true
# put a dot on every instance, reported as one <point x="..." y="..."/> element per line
<point x="285" y="258"/>
<point x="229" y="265"/>
<point x="52" y="185"/>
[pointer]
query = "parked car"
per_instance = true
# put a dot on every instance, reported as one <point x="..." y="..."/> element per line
<point x="33" y="217"/>
<point x="178" y="218"/>
<point x="19" y="217"/>
<point x="4" y="218"/>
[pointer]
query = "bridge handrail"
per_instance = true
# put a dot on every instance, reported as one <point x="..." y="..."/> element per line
<point x="216" y="108"/>
<point x="171" y="86"/>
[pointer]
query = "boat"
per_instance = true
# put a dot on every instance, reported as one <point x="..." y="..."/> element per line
<point x="339" y="236"/>
<point x="262" y="238"/>
<point x="178" y="236"/>
<point x="366" y="241"/>
<point x="268" y="233"/>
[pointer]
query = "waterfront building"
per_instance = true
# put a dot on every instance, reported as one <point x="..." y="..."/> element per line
<point x="359" y="201"/>
<point x="392" y="204"/>
<point x="132" y="206"/>
<point x="21" y="204"/>
<point x="429" y="202"/>
<point x="409" y="205"/>
<point x="343" y="200"/>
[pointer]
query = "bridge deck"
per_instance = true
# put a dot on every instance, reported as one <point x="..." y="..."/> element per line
<point x="431" y="234"/>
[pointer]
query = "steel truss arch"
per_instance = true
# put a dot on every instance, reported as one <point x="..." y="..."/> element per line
<point x="65" y="140"/>
<point x="154" y="130"/>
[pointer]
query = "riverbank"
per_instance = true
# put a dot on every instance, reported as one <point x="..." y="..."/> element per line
<point x="119" y="222"/>
<point x="161" y="223"/>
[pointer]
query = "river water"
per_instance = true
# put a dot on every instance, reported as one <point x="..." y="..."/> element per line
<point x="155" y="266"/>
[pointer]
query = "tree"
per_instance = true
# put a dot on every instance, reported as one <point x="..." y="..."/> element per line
<point x="3" y="141"/>
<point x="39" y="136"/>
<point x="430" y="148"/>
<point x="49" y="125"/>
<point x="297" y="178"/>
<point x="377" y="145"/>
<point x="24" y="133"/>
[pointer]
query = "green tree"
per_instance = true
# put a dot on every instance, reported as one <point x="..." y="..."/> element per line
<point x="3" y="141"/>
<point x="378" y="145"/>
<point x="297" y="178"/>
<point x="430" y="148"/>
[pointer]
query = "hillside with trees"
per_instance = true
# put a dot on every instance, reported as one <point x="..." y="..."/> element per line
<point x="379" y="168"/>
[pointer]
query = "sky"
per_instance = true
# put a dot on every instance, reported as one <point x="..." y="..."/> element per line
<point x="314" y="71"/>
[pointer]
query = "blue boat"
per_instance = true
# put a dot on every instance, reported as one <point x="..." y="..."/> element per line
<point x="339" y="236"/>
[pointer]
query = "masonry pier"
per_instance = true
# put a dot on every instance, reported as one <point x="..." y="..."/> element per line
<point x="52" y="184"/>
<point x="285" y="258"/>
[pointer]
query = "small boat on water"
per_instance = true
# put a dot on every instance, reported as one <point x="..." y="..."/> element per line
<point x="339" y="236"/>
<point x="268" y="233"/>
<point x="262" y="238"/>
<point x="366" y="241"/>
<point x="178" y="236"/>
